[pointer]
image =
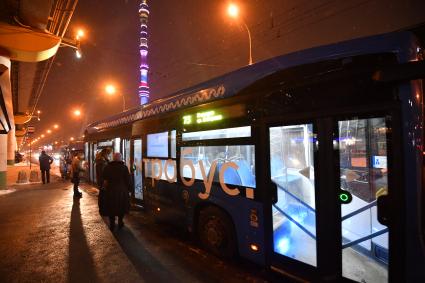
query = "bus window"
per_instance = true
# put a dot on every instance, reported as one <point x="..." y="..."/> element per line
<point x="117" y="145"/>
<point x="243" y="156"/>
<point x="173" y="144"/>
<point x="157" y="145"/>
<point x="126" y="152"/>
<point x="161" y="169"/>
<point x="365" y="240"/>
<point x="138" y="180"/>
<point x="239" y="132"/>
<point x="294" y="213"/>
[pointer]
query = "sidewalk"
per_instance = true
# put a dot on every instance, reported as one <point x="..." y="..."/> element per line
<point x="49" y="236"/>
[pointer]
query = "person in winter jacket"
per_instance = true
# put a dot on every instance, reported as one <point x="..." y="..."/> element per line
<point x="101" y="161"/>
<point x="76" y="168"/>
<point x="45" y="161"/>
<point x="117" y="184"/>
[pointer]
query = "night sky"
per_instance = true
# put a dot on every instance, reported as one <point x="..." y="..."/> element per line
<point x="191" y="41"/>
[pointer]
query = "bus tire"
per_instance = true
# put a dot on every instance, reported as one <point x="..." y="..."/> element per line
<point x="216" y="232"/>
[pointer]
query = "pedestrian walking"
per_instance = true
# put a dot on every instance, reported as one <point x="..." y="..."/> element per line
<point x="76" y="168"/>
<point x="117" y="186"/>
<point x="45" y="161"/>
<point x="100" y="163"/>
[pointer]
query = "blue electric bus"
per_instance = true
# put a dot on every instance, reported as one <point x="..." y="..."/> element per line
<point x="309" y="163"/>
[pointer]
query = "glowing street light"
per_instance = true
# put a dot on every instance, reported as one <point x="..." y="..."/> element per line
<point x="71" y="138"/>
<point x="55" y="126"/>
<point x="111" y="90"/>
<point x="77" y="112"/>
<point x="43" y="136"/>
<point x="80" y="34"/>
<point x="233" y="12"/>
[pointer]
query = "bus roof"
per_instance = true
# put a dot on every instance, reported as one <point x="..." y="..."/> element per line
<point x="232" y="83"/>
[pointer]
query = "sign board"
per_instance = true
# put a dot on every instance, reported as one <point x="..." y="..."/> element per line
<point x="379" y="162"/>
<point x="30" y="129"/>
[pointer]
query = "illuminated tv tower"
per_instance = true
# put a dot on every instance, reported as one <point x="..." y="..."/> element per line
<point x="144" y="67"/>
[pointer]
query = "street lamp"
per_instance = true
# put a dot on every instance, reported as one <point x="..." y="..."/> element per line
<point x="80" y="34"/>
<point x="77" y="112"/>
<point x="233" y="12"/>
<point x="74" y="43"/>
<point x="111" y="90"/>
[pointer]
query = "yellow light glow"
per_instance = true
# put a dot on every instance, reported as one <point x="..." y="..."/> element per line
<point x="233" y="10"/>
<point x="71" y="138"/>
<point x="80" y="34"/>
<point x="55" y="126"/>
<point x="110" y="89"/>
<point x="208" y="116"/>
<point x="42" y="136"/>
<point x="187" y="120"/>
<point x="254" y="247"/>
<point x="48" y="131"/>
<point x="77" y="112"/>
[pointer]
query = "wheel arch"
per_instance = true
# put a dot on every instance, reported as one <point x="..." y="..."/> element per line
<point x="204" y="205"/>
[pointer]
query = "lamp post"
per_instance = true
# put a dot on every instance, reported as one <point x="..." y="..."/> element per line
<point x="110" y="89"/>
<point x="233" y="12"/>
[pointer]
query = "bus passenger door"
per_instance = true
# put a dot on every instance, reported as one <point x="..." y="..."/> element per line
<point x="137" y="169"/>
<point x="329" y="186"/>
<point x="364" y="183"/>
<point x="292" y="172"/>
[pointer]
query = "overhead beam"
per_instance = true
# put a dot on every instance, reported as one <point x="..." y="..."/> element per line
<point x="15" y="40"/>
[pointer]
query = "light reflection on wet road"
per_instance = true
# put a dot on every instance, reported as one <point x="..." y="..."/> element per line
<point x="47" y="236"/>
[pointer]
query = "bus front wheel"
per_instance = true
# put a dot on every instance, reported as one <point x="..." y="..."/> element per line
<point x="216" y="232"/>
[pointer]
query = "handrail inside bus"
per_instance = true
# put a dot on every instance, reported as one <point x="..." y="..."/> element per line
<point x="355" y="212"/>
<point x="365" y="238"/>
<point x="295" y="197"/>
<point x="295" y="222"/>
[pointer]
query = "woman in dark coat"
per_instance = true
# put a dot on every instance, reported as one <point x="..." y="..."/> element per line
<point x="117" y="186"/>
<point x="100" y="163"/>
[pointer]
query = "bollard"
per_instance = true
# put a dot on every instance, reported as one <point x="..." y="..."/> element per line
<point x="34" y="176"/>
<point x="22" y="177"/>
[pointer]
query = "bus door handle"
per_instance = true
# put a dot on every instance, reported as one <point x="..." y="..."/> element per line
<point x="273" y="188"/>
<point x="383" y="210"/>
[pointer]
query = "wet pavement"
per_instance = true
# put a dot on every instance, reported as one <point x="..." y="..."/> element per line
<point x="47" y="236"/>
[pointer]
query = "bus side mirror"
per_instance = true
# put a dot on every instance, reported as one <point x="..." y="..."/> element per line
<point x="383" y="210"/>
<point x="273" y="188"/>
